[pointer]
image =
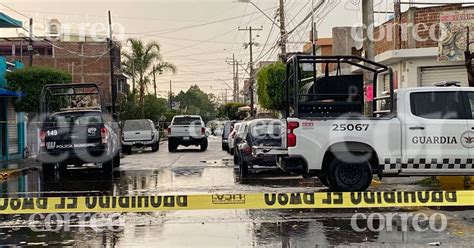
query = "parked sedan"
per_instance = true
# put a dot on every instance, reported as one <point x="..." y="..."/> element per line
<point x="261" y="132"/>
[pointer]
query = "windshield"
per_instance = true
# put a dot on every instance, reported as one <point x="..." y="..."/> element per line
<point x="76" y="119"/>
<point x="186" y="121"/>
<point x="267" y="130"/>
<point x="137" y="125"/>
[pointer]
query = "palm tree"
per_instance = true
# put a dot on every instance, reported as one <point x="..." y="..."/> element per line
<point x="139" y="63"/>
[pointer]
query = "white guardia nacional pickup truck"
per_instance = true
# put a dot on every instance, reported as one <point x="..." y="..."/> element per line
<point x="413" y="132"/>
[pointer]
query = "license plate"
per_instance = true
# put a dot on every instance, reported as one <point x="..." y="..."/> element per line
<point x="186" y="138"/>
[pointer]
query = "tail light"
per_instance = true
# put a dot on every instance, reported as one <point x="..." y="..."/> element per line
<point x="42" y="135"/>
<point x="291" y="137"/>
<point x="169" y="131"/>
<point x="246" y="149"/>
<point x="203" y="130"/>
<point x="104" y="133"/>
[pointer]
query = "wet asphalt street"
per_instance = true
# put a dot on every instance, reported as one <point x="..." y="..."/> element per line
<point x="190" y="171"/>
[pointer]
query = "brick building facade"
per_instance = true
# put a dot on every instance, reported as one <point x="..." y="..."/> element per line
<point x="409" y="44"/>
<point x="86" y="61"/>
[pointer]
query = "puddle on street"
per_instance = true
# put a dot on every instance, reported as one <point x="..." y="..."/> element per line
<point x="229" y="228"/>
<point x="216" y="228"/>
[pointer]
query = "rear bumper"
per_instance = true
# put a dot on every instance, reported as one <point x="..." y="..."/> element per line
<point x="293" y="164"/>
<point x="269" y="150"/>
<point x="265" y="160"/>
<point x="187" y="141"/>
<point x="77" y="156"/>
<point x="139" y="142"/>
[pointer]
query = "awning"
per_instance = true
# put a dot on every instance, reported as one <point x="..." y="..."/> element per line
<point x="8" y="22"/>
<point x="9" y="93"/>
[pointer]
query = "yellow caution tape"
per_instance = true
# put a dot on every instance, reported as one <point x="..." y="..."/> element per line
<point x="320" y="200"/>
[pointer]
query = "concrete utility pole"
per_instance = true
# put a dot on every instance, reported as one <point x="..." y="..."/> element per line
<point x="30" y="46"/>
<point x="154" y="79"/>
<point x="171" y="96"/>
<point x="252" y="73"/>
<point x="368" y="21"/>
<point x="235" y="76"/>
<point x="112" y="60"/>
<point x="283" y="35"/>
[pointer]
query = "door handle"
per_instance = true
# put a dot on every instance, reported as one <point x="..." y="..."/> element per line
<point x="417" y="128"/>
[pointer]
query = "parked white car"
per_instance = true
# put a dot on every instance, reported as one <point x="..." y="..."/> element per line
<point x="231" y="138"/>
<point x="140" y="133"/>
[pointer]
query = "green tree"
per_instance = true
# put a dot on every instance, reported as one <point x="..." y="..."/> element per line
<point x="139" y="64"/>
<point x="230" y="111"/>
<point x="31" y="81"/>
<point x="270" y="87"/>
<point x="155" y="108"/>
<point x="195" y="101"/>
<point x="129" y="108"/>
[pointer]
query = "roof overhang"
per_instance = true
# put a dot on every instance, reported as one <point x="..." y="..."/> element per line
<point x="9" y="93"/>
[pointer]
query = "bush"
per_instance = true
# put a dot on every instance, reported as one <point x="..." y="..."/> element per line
<point x="31" y="81"/>
<point x="270" y="87"/>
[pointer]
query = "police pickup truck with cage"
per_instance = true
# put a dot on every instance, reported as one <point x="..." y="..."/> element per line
<point x="410" y="132"/>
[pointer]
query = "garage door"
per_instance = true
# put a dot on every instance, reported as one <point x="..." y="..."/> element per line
<point x="432" y="75"/>
<point x="12" y="130"/>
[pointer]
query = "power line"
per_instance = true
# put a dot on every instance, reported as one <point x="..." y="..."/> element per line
<point x="165" y="31"/>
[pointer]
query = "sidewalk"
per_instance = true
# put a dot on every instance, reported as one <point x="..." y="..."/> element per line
<point x="16" y="168"/>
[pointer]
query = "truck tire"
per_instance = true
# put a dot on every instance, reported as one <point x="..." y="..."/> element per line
<point x="243" y="169"/>
<point x="236" y="159"/>
<point x="127" y="149"/>
<point x="116" y="161"/>
<point x="48" y="169"/>
<point x="349" y="177"/>
<point x="324" y="180"/>
<point x="155" y="147"/>
<point x="204" y="145"/>
<point x="172" y="146"/>
<point x="108" y="167"/>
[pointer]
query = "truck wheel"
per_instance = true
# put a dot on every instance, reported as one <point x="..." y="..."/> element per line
<point x="108" y="167"/>
<point x="204" y="145"/>
<point x="243" y="169"/>
<point x="116" y="161"/>
<point x="324" y="180"/>
<point x="62" y="168"/>
<point x="155" y="147"/>
<point x="236" y="159"/>
<point x="172" y="146"/>
<point x="349" y="177"/>
<point x="127" y="149"/>
<point x="48" y="169"/>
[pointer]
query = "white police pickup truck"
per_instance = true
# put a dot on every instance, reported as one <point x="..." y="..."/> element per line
<point x="413" y="132"/>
